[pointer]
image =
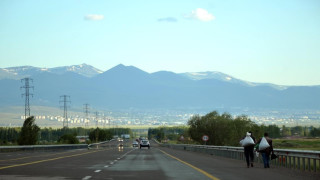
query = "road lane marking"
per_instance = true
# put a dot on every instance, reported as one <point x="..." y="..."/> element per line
<point x="97" y="171"/>
<point x="86" y="178"/>
<point x="190" y="165"/>
<point x="46" y="160"/>
<point x="16" y="159"/>
<point x="36" y="156"/>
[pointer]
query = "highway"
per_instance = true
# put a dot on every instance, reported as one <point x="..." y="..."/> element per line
<point x="114" y="162"/>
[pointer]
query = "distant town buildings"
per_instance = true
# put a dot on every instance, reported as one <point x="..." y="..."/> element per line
<point x="180" y="118"/>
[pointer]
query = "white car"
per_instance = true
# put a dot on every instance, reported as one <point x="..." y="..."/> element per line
<point x="144" y="143"/>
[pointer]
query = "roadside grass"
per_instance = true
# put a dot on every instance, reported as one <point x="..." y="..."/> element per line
<point x="297" y="144"/>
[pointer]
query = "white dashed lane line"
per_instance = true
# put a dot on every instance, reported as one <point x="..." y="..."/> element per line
<point x="86" y="178"/>
<point x="96" y="171"/>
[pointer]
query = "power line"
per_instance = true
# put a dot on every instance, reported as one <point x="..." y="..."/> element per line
<point x="65" y="109"/>
<point x="86" y="112"/>
<point x="27" y="94"/>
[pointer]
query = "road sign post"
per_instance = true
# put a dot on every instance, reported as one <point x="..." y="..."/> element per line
<point x="205" y="138"/>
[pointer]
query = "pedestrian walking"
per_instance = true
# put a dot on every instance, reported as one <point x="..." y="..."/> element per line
<point x="265" y="148"/>
<point x="248" y="151"/>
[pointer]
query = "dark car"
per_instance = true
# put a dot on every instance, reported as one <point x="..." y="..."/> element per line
<point x="135" y="144"/>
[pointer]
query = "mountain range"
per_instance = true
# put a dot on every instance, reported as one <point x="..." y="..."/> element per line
<point x="127" y="86"/>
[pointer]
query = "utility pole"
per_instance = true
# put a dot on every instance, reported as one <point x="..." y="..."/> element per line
<point x="97" y="114"/>
<point x="27" y="94"/>
<point x="65" y="109"/>
<point x="86" y="112"/>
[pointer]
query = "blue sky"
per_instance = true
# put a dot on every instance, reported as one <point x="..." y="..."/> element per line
<point x="255" y="40"/>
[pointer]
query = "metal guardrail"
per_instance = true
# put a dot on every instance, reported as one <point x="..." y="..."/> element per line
<point x="293" y="159"/>
<point x="91" y="146"/>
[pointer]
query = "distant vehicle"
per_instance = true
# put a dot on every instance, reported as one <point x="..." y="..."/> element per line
<point x="144" y="143"/>
<point x="135" y="144"/>
<point x="125" y="136"/>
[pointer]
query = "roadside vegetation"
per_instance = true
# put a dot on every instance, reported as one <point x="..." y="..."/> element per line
<point x="226" y="130"/>
<point x="312" y="144"/>
<point x="31" y="134"/>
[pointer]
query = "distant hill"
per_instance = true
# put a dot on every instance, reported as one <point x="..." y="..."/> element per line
<point x="127" y="86"/>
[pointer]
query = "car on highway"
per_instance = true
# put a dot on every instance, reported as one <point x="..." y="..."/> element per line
<point x="135" y="144"/>
<point x="144" y="143"/>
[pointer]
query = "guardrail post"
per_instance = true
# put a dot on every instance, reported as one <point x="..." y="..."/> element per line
<point x="290" y="162"/>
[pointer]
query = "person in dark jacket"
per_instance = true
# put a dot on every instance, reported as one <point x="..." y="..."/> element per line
<point x="248" y="151"/>
<point x="265" y="153"/>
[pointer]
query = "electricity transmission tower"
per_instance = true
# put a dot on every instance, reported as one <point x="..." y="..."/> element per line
<point x="86" y="112"/>
<point x="65" y="109"/>
<point x="27" y="94"/>
<point x="97" y="114"/>
<point x="104" y="121"/>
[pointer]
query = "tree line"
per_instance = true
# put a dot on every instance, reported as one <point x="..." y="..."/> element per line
<point x="226" y="130"/>
<point x="30" y="134"/>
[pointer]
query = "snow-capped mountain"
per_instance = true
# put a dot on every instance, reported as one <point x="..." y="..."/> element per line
<point x="227" y="78"/>
<point x="82" y="69"/>
<point x="128" y="86"/>
<point x="28" y="71"/>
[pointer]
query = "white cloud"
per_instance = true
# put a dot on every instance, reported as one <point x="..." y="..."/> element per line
<point x="201" y="14"/>
<point x="94" y="17"/>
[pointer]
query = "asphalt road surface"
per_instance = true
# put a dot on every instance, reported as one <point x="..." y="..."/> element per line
<point x="106" y="162"/>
